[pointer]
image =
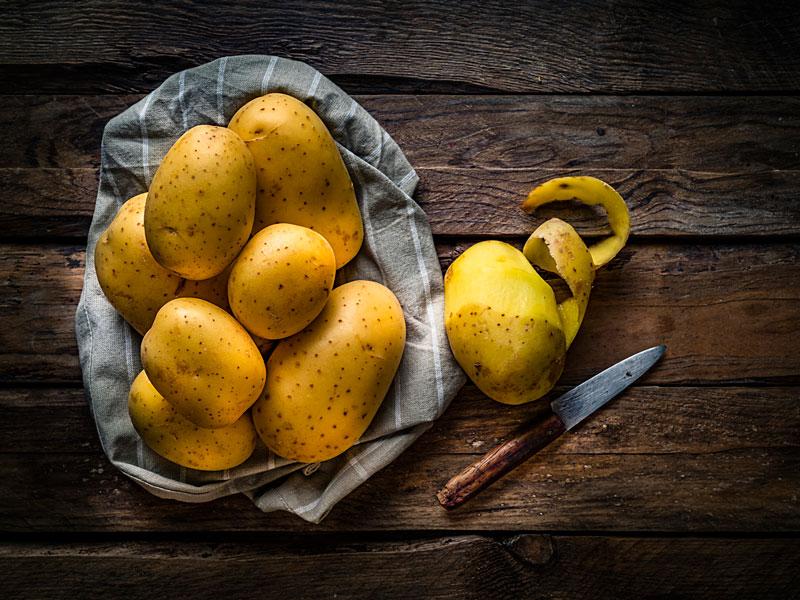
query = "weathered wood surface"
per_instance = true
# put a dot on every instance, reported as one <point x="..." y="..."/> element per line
<point x="706" y="444"/>
<point x="712" y="166"/>
<point x="655" y="459"/>
<point x="438" y="45"/>
<point x="655" y="293"/>
<point x="455" y="567"/>
<point x="726" y="134"/>
<point x="44" y="203"/>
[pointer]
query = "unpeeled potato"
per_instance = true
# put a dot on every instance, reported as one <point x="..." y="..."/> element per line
<point x="203" y="362"/>
<point x="201" y="203"/>
<point x="135" y="284"/>
<point x="302" y="178"/>
<point x="281" y="280"/>
<point x="177" y="439"/>
<point x="325" y="384"/>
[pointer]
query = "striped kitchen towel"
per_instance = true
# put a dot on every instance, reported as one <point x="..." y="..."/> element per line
<point x="398" y="252"/>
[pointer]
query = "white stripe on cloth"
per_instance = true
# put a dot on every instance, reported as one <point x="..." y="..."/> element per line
<point x="364" y="214"/>
<point x="354" y="464"/>
<point x="314" y="83"/>
<point x="268" y="74"/>
<point x="406" y="178"/>
<point x="145" y="139"/>
<point x="220" y="102"/>
<point x="375" y="153"/>
<point x="352" y="111"/>
<point x="398" y="414"/>
<point x="426" y="285"/>
<point x="181" y="92"/>
<point x="104" y="168"/>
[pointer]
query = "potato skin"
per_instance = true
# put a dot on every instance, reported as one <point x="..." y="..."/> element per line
<point x="325" y="384"/>
<point x="135" y="284"/>
<point x="302" y="178"/>
<point x="177" y="439"/>
<point x="215" y="290"/>
<point x="203" y="362"/>
<point x="503" y="324"/>
<point x="281" y="280"/>
<point x="201" y="204"/>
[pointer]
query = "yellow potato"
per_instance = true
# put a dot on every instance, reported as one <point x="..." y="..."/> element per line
<point x="503" y="323"/>
<point x="215" y="290"/>
<point x="203" y="362"/>
<point x="177" y="439"/>
<point x="325" y="384"/>
<point x="302" y="178"/>
<point x="135" y="284"/>
<point x="281" y="280"/>
<point x="201" y="204"/>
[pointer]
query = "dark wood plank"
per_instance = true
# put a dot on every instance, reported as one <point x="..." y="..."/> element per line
<point x="655" y="459"/>
<point x="656" y="293"/>
<point x="534" y="46"/>
<point x="693" y="133"/>
<point x="482" y="202"/>
<point x="650" y="420"/>
<point x="735" y="490"/>
<point x="455" y="567"/>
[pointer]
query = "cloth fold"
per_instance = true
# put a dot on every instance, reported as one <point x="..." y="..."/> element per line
<point x="398" y="252"/>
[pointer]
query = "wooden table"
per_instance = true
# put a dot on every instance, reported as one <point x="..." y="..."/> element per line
<point x="686" y="486"/>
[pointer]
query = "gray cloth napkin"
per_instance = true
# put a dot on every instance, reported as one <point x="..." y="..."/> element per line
<point x="398" y="252"/>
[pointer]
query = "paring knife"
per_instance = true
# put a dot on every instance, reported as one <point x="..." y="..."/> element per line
<point x="568" y="410"/>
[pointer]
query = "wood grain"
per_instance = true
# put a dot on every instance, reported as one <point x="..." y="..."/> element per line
<point x="723" y="134"/>
<point x="445" y="45"/>
<point x="454" y="567"/>
<point x="654" y="459"/>
<point x="648" y="419"/>
<point x="659" y="293"/>
<point x="736" y="490"/>
<point x="52" y="202"/>
<point x="699" y="166"/>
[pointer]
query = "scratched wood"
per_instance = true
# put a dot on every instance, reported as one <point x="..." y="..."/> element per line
<point x="440" y="45"/>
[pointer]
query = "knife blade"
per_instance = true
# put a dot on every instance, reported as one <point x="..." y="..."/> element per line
<point x="568" y="410"/>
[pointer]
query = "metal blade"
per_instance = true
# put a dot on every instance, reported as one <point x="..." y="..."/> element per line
<point x="578" y="403"/>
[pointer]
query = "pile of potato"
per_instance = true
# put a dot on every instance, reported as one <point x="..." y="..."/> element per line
<point x="231" y="255"/>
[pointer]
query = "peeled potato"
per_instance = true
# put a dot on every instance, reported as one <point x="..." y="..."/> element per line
<point x="176" y="438"/>
<point x="135" y="284"/>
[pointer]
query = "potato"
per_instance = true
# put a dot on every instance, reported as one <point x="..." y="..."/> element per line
<point x="135" y="284"/>
<point x="175" y="438"/>
<point x="201" y="204"/>
<point x="281" y="280"/>
<point x="203" y="362"/>
<point x="325" y="384"/>
<point x="302" y="178"/>
<point x="503" y="323"/>
<point x="215" y="290"/>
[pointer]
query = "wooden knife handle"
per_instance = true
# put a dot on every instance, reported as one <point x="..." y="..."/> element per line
<point x="500" y="461"/>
